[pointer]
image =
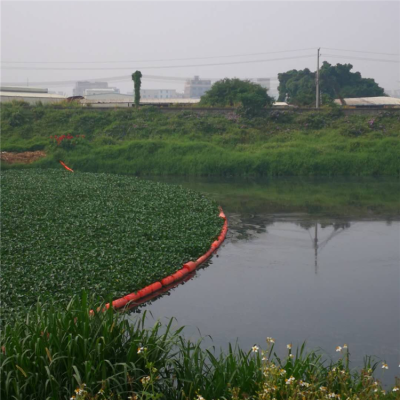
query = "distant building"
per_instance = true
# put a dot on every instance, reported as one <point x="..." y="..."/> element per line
<point x="89" y="92"/>
<point x="393" y="93"/>
<point x="23" y="89"/>
<point x="160" y="94"/>
<point x="29" y="95"/>
<point x="264" y="82"/>
<point x="81" y="86"/>
<point x="371" y="101"/>
<point x="106" y="97"/>
<point x="195" y="88"/>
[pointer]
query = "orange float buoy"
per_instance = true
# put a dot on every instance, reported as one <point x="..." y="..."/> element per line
<point x="66" y="167"/>
<point x="190" y="266"/>
<point x="119" y="303"/>
<point x="167" y="281"/>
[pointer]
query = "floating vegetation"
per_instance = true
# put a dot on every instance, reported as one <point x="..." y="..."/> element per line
<point x="109" y="235"/>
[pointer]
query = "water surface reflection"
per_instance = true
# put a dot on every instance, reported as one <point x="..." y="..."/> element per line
<point x="327" y="278"/>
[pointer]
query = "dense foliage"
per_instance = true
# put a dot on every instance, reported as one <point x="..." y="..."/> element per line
<point x="137" y="82"/>
<point x="68" y="352"/>
<point x="336" y="82"/>
<point x="111" y="235"/>
<point x="149" y="141"/>
<point x="230" y="92"/>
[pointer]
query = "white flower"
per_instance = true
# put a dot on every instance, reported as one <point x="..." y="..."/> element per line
<point x="338" y="348"/>
<point x="282" y="372"/>
<point x="385" y="366"/>
<point x="291" y="355"/>
<point x="200" y="397"/>
<point x="331" y="395"/>
<point x="395" y="389"/>
<point x="322" y="388"/>
<point x="270" y="340"/>
<point x="304" y="384"/>
<point x="290" y="380"/>
<point x="145" y="379"/>
<point x="255" y="349"/>
<point x="289" y="346"/>
<point x="345" y="346"/>
<point x="264" y="359"/>
<point x="141" y="349"/>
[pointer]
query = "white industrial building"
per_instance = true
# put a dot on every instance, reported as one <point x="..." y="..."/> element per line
<point x="371" y="101"/>
<point x="195" y="88"/>
<point x="160" y="94"/>
<point x="89" y="92"/>
<point x="264" y="82"/>
<point x="28" y="94"/>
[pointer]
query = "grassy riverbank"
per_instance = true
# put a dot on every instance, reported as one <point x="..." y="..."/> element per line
<point x="108" y="234"/>
<point x="150" y="142"/>
<point x="67" y="352"/>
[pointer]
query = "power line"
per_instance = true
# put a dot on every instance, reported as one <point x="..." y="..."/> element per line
<point x="106" y="79"/>
<point x="155" y="67"/>
<point x="163" y="60"/>
<point x="365" y="52"/>
<point x="362" y="58"/>
<point x="123" y="78"/>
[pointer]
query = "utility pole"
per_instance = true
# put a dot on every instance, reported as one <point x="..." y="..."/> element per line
<point x="316" y="248"/>
<point x="317" y="81"/>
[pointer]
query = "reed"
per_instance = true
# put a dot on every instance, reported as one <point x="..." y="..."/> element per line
<point x="67" y="352"/>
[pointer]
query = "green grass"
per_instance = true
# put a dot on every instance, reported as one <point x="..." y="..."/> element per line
<point x="149" y="142"/>
<point x="111" y="235"/>
<point x="54" y="351"/>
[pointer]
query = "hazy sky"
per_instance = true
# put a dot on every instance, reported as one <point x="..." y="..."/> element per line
<point x="94" y="31"/>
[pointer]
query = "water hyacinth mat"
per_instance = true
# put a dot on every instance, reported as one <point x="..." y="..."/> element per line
<point x="111" y="235"/>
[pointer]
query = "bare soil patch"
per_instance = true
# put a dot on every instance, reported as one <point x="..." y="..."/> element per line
<point x="26" y="157"/>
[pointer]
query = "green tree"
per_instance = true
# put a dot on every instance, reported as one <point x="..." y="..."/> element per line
<point x="230" y="92"/>
<point x="339" y="82"/>
<point x="137" y="82"/>
<point x="298" y="87"/>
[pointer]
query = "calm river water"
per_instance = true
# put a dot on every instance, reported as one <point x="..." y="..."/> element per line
<point x="304" y="260"/>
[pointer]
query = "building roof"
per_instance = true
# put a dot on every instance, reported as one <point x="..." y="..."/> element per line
<point x="26" y="89"/>
<point x="371" y="101"/>
<point x="124" y="98"/>
<point x="31" y="95"/>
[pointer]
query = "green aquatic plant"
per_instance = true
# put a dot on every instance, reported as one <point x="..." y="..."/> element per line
<point x="110" y="235"/>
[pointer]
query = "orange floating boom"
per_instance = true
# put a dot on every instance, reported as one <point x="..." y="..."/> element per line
<point x="168" y="280"/>
<point x="66" y="167"/>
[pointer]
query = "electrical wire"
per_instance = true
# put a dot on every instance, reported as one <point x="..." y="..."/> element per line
<point x="156" y="67"/>
<point x="164" y="60"/>
<point x="359" y="51"/>
<point x="361" y="58"/>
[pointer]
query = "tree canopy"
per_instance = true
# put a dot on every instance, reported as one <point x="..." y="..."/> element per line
<point x="298" y="87"/>
<point x="229" y="92"/>
<point x="137" y="82"/>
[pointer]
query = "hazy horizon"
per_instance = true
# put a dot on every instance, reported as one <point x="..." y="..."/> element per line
<point x="94" y="40"/>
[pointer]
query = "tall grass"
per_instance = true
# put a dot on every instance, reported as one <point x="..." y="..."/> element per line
<point x="146" y="141"/>
<point x="59" y="353"/>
